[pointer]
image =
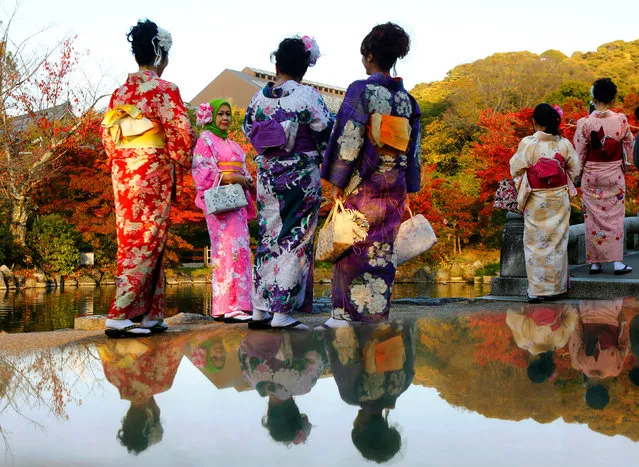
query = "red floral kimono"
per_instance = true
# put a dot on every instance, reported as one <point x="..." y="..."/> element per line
<point x="148" y="139"/>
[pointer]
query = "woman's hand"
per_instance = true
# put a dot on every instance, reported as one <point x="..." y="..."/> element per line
<point x="336" y="193"/>
<point x="233" y="178"/>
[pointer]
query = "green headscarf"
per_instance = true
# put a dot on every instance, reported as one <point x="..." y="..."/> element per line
<point x="212" y="127"/>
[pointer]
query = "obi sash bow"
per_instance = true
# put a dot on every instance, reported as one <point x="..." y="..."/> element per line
<point x="130" y="129"/>
<point x="388" y="131"/>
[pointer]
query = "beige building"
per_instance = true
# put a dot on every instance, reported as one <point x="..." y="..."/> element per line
<point x="240" y="86"/>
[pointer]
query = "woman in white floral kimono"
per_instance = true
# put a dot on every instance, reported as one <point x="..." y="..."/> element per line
<point x="544" y="167"/>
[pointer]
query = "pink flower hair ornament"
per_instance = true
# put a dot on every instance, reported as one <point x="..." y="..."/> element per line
<point x="204" y="114"/>
<point x="559" y="111"/>
<point x="311" y="46"/>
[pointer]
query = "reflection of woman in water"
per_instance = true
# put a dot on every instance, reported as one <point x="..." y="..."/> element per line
<point x="599" y="346"/>
<point x="372" y="367"/>
<point x="140" y="369"/>
<point x="281" y="366"/>
<point x="541" y="330"/>
<point x="633" y="375"/>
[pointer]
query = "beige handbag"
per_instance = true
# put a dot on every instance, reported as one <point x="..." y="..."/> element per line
<point x="415" y="236"/>
<point x="342" y="229"/>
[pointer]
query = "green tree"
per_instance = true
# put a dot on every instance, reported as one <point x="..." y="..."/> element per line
<point x="54" y="242"/>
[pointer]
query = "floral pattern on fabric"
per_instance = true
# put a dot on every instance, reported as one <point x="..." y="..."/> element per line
<point x="289" y="193"/>
<point x="145" y="180"/>
<point x="228" y="232"/>
<point x="376" y="184"/>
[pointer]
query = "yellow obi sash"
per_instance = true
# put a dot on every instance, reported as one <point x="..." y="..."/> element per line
<point x="231" y="166"/>
<point x="389" y="132"/>
<point x="129" y="129"/>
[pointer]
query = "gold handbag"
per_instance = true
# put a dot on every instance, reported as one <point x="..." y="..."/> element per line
<point x="342" y="229"/>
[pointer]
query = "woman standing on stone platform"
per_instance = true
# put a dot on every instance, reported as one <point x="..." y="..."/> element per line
<point x="604" y="144"/>
<point x="148" y="139"/>
<point x="544" y="168"/>
<point x="372" y="161"/>
<point x="289" y="124"/>
<point x="219" y="160"/>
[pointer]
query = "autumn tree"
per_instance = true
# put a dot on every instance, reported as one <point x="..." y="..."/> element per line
<point x="43" y="115"/>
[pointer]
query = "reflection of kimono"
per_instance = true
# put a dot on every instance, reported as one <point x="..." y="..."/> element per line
<point x="230" y="375"/>
<point x="543" y="167"/>
<point x="281" y="365"/>
<point x="372" y="366"/>
<point x="289" y="126"/>
<point x="374" y="154"/>
<point x="600" y="343"/>
<point x="604" y="143"/>
<point x="140" y="368"/>
<point x="230" y="246"/>
<point x="542" y="328"/>
<point x="148" y="139"/>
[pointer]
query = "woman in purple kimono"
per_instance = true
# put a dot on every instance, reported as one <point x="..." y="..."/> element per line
<point x="373" y="160"/>
<point x="289" y="124"/>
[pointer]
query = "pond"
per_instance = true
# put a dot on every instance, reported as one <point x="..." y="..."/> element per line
<point x="533" y="385"/>
<point x="47" y="310"/>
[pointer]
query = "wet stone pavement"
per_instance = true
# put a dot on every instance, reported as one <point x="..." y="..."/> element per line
<point x="480" y="384"/>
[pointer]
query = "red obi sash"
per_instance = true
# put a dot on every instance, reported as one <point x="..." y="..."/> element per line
<point x="545" y="316"/>
<point x="599" y="337"/>
<point x="548" y="173"/>
<point x="602" y="148"/>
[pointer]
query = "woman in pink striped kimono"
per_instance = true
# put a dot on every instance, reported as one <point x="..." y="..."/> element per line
<point x="604" y="141"/>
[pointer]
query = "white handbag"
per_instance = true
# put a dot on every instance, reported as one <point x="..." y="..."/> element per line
<point x="415" y="236"/>
<point x="223" y="198"/>
<point x="342" y="229"/>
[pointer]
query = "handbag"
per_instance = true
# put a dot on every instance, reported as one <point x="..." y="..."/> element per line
<point x="223" y="198"/>
<point x="342" y="229"/>
<point x="415" y="236"/>
<point x="506" y="195"/>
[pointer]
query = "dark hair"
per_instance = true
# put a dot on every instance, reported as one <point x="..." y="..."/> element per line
<point x="134" y="434"/>
<point x="548" y="117"/>
<point x="604" y="90"/>
<point x="633" y="376"/>
<point x="292" y="58"/>
<point x="597" y="397"/>
<point x="376" y="440"/>
<point x="637" y="113"/>
<point x="284" y="421"/>
<point x="542" y="368"/>
<point x="386" y="43"/>
<point x="142" y="38"/>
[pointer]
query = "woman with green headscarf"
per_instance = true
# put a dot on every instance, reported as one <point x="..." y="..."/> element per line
<point x="219" y="160"/>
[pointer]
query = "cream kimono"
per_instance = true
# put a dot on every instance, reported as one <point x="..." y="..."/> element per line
<point x="546" y="206"/>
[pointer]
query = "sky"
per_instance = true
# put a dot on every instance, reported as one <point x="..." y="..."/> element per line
<point x="209" y="36"/>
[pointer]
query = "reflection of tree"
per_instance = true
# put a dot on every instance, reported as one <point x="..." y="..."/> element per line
<point x="45" y="379"/>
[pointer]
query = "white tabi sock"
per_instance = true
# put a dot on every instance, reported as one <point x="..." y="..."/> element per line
<point x="120" y="324"/>
<point x="619" y="265"/>
<point x="259" y="315"/>
<point x="281" y="320"/>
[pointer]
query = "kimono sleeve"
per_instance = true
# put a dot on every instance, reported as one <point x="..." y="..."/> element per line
<point x="414" y="151"/>
<point x="177" y="126"/>
<point x="249" y="118"/>
<point x="205" y="172"/>
<point x="581" y="140"/>
<point x="636" y="151"/>
<point x="573" y="164"/>
<point x="627" y="139"/>
<point x="105" y="134"/>
<point x="519" y="162"/>
<point x="322" y="121"/>
<point x="347" y="139"/>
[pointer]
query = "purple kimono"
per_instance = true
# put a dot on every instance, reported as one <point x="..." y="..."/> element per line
<point x="375" y="179"/>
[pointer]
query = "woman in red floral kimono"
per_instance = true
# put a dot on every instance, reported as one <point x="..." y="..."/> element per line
<point x="148" y="139"/>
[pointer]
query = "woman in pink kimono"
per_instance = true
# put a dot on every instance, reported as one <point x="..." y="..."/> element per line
<point x="604" y="142"/>
<point x="217" y="159"/>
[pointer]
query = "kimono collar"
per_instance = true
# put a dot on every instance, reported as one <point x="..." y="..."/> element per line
<point x="386" y="81"/>
<point x="542" y="136"/>
<point x="145" y="75"/>
<point x="601" y="114"/>
<point x="283" y="90"/>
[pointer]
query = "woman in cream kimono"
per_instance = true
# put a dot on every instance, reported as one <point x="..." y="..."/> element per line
<point x="540" y="330"/>
<point x="543" y="168"/>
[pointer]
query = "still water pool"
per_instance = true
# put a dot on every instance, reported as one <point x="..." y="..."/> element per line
<point x="528" y="385"/>
<point x="48" y="310"/>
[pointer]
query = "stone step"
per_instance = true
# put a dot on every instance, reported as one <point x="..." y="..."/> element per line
<point x="603" y="287"/>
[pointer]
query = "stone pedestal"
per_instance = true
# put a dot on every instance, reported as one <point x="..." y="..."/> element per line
<point x="512" y="262"/>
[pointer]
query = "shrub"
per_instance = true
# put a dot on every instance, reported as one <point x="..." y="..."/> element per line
<point x="54" y="245"/>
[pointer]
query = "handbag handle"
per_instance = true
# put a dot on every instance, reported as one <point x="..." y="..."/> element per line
<point x="338" y="206"/>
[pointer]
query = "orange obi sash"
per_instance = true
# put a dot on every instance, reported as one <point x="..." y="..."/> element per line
<point x="388" y="355"/>
<point x="231" y="166"/>
<point x="390" y="133"/>
<point x="129" y="129"/>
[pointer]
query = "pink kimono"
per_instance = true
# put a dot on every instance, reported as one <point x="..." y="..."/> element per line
<point x="230" y="249"/>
